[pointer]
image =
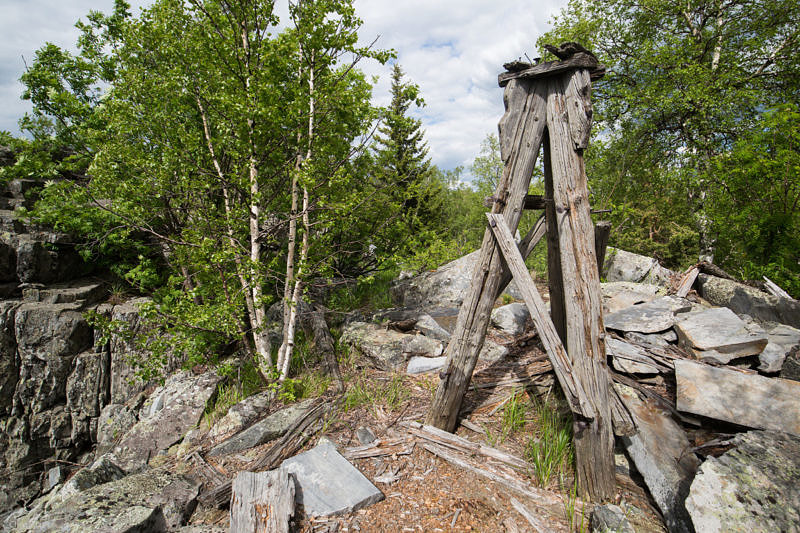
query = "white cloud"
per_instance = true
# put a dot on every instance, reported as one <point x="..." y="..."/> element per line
<point x="453" y="49"/>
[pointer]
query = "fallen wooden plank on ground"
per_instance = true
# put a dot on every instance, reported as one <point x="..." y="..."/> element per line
<point x="538" y="495"/>
<point x="687" y="280"/>
<point x="262" y="501"/>
<point x="773" y="288"/>
<point x="532" y="519"/>
<point x="381" y="447"/>
<point x="461" y="444"/>
<point x="743" y="398"/>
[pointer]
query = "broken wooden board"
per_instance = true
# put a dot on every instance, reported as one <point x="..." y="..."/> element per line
<point x="743" y="398"/>
<point x="262" y="501"/>
<point x="551" y="68"/>
<point x="687" y="280"/>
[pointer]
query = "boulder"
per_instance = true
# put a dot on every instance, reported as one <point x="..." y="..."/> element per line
<point x="651" y="317"/>
<point x="263" y="431"/>
<point x="428" y="326"/>
<point x="327" y="484"/>
<point x="662" y="454"/>
<point x="182" y="401"/>
<point x="101" y="471"/>
<point x="444" y="287"/>
<point x="492" y="352"/>
<point x="610" y="518"/>
<point x="620" y="265"/>
<point x="114" y="421"/>
<point x="511" y="318"/>
<point x="242" y="414"/>
<point x="40" y="261"/>
<point x="387" y="349"/>
<point x="752" y="487"/>
<point x="743" y="299"/>
<point x="791" y="365"/>
<point x="720" y="330"/>
<point x="743" y="398"/>
<point x="153" y="501"/>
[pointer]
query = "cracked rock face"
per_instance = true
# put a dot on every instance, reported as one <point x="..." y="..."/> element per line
<point x="752" y="487"/>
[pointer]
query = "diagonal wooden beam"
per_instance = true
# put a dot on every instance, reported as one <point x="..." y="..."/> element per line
<point x="579" y="403"/>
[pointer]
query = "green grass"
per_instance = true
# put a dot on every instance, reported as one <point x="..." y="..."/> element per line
<point x="576" y="518"/>
<point x="243" y="381"/>
<point x="369" y="293"/>
<point x="550" y="451"/>
<point x="372" y="393"/>
<point x="514" y="413"/>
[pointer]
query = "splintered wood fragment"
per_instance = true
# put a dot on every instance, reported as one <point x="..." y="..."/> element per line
<point x="539" y="495"/>
<point x="624" y="423"/>
<point x="534" y="521"/>
<point x="450" y="440"/>
<point x="551" y="68"/>
<point x="402" y="446"/>
<point x="544" y="325"/>
<point x="687" y="280"/>
<point x="775" y="290"/>
<point x="472" y="426"/>
<point x="262" y="502"/>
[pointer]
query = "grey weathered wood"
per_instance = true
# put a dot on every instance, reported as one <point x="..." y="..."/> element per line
<point x="554" y="275"/>
<point x="773" y="288"/>
<point x="552" y="68"/>
<point x="323" y="342"/>
<point x="262" y="502"/>
<point x="687" y="280"/>
<point x="568" y="112"/>
<point x="532" y="519"/>
<point x="562" y="366"/>
<point x="527" y="116"/>
<point x="525" y="246"/>
<point x="602" y="232"/>
<point x="532" y="201"/>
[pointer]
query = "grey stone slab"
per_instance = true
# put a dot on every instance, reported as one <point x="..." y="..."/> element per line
<point x="242" y="414"/>
<point x="751" y="488"/>
<point x="262" y="431"/>
<point x="782" y="339"/>
<point x="621" y="265"/>
<point x="610" y="518"/>
<point x="428" y="326"/>
<point x="629" y="358"/>
<point x="327" y="484"/>
<point x="651" y="317"/>
<point x="492" y="352"/>
<point x="387" y="349"/>
<point x="739" y="397"/>
<point x="184" y="397"/>
<point x="420" y="365"/>
<point x="719" y="329"/>
<point x="618" y="295"/>
<point x="743" y="299"/>
<point x="662" y="454"/>
<point x="656" y="339"/>
<point x="511" y="318"/>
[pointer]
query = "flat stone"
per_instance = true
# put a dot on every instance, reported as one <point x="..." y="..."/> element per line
<point x="421" y="345"/>
<point x="263" y="431"/>
<point x="365" y="435"/>
<point x="420" y="365"/>
<point x="752" y="487"/>
<point x="791" y="365"/>
<point x="511" y="318"/>
<point x="610" y="518"/>
<point x="651" y="317"/>
<point x="746" y="300"/>
<point x="327" y="484"/>
<point x="492" y="352"/>
<point x="619" y="295"/>
<point x="734" y="396"/>
<point x="719" y="329"/>
<point x="84" y="291"/>
<point x="428" y="326"/>
<point x="629" y="358"/>
<point x="242" y="414"/>
<point x="184" y="397"/>
<point x="101" y="471"/>
<point x="656" y="339"/>
<point x="662" y="454"/>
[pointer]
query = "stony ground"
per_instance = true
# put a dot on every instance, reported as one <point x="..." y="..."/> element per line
<point x="425" y="493"/>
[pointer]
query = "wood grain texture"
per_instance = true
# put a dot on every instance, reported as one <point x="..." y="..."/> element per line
<point x="262" y="502"/>
<point x="602" y="232"/>
<point x="526" y="115"/>
<point x="594" y="439"/>
<point x="552" y="68"/>
<point x="576" y="397"/>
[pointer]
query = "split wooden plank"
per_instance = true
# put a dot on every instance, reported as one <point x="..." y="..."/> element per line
<point x="687" y="280"/>
<point x="532" y="519"/>
<point x="522" y="126"/>
<point x="551" y="68"/>
<point x="262" y="502"/>
<point x="450" y="440"/>
<point x="573" y="390"/>
<point x="602" y="232"/>
<point x="539" y="495"/>
<point x="525" y="247"/>
<point x="569" y="113"/>
<point x="773" y="288"/>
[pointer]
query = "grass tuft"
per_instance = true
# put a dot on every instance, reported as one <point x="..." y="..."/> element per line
<point x="550" y="451"/>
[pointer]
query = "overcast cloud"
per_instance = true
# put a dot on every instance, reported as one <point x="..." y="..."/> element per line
<point x="453" y="49"/>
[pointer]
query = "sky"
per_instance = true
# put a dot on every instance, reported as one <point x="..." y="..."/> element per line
<point x="452" y="49"/>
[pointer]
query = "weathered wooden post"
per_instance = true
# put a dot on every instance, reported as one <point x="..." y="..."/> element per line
<point x="550" y="103"/>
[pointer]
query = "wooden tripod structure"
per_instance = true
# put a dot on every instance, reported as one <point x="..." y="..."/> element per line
<point x="548" y="105"/>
